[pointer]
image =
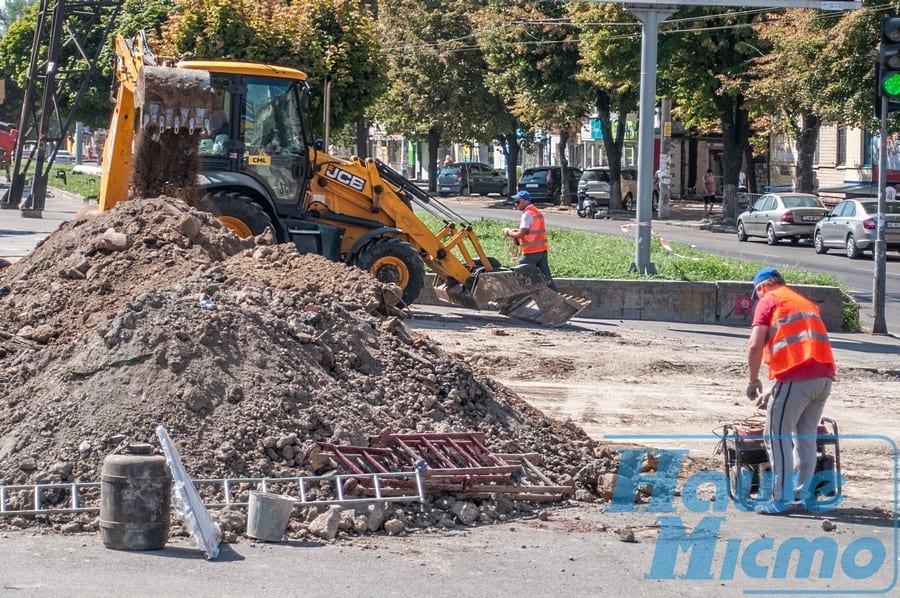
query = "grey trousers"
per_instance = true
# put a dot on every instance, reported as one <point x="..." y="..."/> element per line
<point x="792" y="421"/>
<point x="539" y="260"/>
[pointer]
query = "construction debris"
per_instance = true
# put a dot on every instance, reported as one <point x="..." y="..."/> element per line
<point x="247" y="352"/>
<point x="457" y="462"/>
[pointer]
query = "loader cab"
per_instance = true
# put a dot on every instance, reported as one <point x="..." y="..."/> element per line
<point x="256" y="127"/>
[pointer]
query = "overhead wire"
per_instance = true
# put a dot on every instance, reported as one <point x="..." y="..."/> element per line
<point x="668" y="27"/>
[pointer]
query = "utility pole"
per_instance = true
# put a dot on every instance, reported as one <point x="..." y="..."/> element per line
<point x="665" y="132"/>
<point x="650" y="19"/>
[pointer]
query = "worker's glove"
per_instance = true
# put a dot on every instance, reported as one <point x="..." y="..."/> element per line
<point x="754" y="388"/>
<point x="763" y="401"/>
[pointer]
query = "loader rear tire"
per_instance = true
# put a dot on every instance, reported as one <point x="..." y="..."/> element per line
<point x="238" y="213"/>
<point x="393" y="260"/>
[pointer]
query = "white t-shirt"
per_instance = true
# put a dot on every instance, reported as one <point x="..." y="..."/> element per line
<point x="526" y="220"/>
<point x="890" y="193"/>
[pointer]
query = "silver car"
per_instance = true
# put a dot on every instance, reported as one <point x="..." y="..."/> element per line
<point x="777" y="216"/>
<point x="851" y="226"/>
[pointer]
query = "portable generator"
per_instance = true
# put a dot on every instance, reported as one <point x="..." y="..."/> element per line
<point x="744" y="451"/>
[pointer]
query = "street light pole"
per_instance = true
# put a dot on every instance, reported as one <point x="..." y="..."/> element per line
<point x="650" y="19"/>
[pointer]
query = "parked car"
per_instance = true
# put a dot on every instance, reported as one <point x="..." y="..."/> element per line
<point x="593" y="191"/>
<point x="466" y="178"/>
<point x="594" y="184"/>
<point x="777" y="216"/>
<point x="63" y="157"/>
<point x="851" y="226"/>
<point x="535" y="179"/>
<point x="629" y="190"/>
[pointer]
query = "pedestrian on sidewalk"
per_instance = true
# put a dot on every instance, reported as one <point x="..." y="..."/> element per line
<point x="789" y="335"/>
<point x="531" y="236"/>
<point x="709" y="191"/>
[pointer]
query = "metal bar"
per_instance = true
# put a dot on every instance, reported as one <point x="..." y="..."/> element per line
<point x="377" y="484"/>
<point x="406" y="479"/>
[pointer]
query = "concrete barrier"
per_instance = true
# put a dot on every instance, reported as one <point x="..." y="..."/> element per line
<point x="722" y="302"/>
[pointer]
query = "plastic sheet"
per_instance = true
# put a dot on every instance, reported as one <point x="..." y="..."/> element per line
<point x="187" y="503"/>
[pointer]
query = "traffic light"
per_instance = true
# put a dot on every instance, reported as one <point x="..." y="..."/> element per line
<point x="887" y="71"/>
<point x="889" y="58"/>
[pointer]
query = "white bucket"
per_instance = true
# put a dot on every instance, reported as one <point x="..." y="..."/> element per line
<point x="268" y="515"/>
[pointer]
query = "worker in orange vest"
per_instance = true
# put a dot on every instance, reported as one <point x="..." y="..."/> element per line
<point x="789" y="335"/>
<point x="531" y="236"/>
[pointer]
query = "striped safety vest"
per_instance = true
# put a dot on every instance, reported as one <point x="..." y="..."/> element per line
<point x="797" y="334"/>
<point x="535" y="241"/>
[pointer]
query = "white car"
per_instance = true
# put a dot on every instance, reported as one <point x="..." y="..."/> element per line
<point x="851" y="226"/>
<point x="63" y="157"/>
<point x="777" y="216"/>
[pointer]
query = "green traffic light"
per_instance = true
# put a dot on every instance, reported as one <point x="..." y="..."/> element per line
<point x="891" y="84"/>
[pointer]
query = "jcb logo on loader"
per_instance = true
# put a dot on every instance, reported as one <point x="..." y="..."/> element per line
<point x="345" y="178"/>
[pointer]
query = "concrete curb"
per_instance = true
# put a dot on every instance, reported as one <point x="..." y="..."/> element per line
<point x="722" y="302"/>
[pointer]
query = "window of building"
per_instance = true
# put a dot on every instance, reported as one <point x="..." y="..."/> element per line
<point x="841" y="150"/>
<point x="867" y="148"/>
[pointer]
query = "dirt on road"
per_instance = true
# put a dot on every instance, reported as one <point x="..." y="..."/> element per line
<point x="657" y="379"/>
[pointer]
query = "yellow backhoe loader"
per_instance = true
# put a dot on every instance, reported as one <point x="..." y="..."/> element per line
<point x="260" y="168"/>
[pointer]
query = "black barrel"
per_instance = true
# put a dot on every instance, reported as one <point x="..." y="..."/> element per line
<point x="135" y="494"/>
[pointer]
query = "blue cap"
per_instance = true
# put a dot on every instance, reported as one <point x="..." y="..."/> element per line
<point x="521" y="195"/>
<point x="762" y="276"/>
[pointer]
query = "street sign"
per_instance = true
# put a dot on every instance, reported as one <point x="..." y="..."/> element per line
<point x="817" y="4"/>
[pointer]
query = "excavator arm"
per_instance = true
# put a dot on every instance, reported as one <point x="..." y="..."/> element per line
<point x="167" y="100"/>
<point x="464" y="274"/>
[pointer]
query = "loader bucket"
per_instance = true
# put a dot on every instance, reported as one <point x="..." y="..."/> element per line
<point x="521" y="293"/>
<point x="173" y="98"/>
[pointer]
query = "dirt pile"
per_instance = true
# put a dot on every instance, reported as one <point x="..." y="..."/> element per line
<point x="154" y="313"/>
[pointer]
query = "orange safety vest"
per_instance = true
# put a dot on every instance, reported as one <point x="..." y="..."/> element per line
<point x="797" y="334"/>
<point x="535" y="241"/>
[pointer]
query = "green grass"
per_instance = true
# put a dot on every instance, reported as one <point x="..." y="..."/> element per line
<point x="84" y="185"/>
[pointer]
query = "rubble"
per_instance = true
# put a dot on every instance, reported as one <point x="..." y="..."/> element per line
<point x="247" y="352"/>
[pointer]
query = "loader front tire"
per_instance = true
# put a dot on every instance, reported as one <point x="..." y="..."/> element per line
<point x="237" y="212"/>
<point x="393" y="260"/>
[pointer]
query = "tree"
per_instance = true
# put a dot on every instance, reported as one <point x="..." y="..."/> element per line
<point x="707" y="72"/>
<point x="532" y="55"/>
<point x="437" y="76"/>
<point x="11" y="11"/>
<point x="15" y="53"/>
<point x="333" y="39"/>
<point x="610" y="61"/>
<point x="783" y="84"/>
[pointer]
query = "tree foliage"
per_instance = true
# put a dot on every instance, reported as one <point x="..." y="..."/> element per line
<point x="333" y="39"/>
<point x="15" y="55"/>
<point x="533" y="57"/>
<point x="437" y="72"/>
<point x="610" y="61"/>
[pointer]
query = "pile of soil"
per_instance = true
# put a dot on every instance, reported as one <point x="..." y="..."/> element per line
<point x="246" y="351"/>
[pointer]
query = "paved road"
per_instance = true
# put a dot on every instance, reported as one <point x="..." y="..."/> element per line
<point x="574" y="552"/>
<point x="19" y="235"/>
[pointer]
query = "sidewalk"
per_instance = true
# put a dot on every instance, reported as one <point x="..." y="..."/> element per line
<point x="19" y="234"/>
